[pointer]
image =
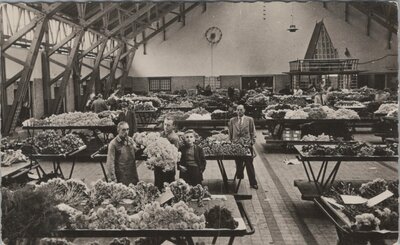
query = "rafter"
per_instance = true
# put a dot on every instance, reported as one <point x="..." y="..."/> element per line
<point x="100" y="14"/>
<point x="57" y="62"/>
<point x="165" y="25"/>
<point x="117" y="29"/>
<point x="63" y="42"/>
<point x="12" y="58"/>
<point x="16" y="36"/>
<point x="67" y="21"/>
<point x="163" y="13"/>
<point x="13" y="79"/>
<point x="362" y="9"/>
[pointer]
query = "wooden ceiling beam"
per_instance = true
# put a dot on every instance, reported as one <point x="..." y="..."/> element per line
<point x="391" y="27"/>
<point x="167" y="24"/>
<point x="163" y="13"/>
<point x="100" y="14"/>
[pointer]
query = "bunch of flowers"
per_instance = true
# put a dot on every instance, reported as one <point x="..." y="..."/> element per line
<point x="74" y="119"/>
<point x="165" y="97"/>
<point x="330" y="113"/>
<point x="388" y="218"/>
<point x="297" y="114"/>
<point x="258" y="99"/>
<point x="350" y="149"/>
<point x="144" y="106"/>
<point x="76" y="218"/>
<point x="196" y="116"/>
<point x="198" y="110"/>
<point x="50" y="142"/>
<point x="7" y="143"/>
<point x="109" y="217"/>
<point x="346" y="114"/>
<point x="131" y="99"/>
<point x="348" y="103"/>
<point x="220" y="217"/>
<point x="213" y="147"/>
<point x="185" y="192"/>
<point x="215" y="100"/>
<point x="146" y="138"/>
<point x="367" y="222"/>
<point x="145" y="193"/>
<point x="393" y="113"/>
<point x="289" y="99"/>
<point x="176" y="115"/>
<point x="383" y="215"/>
<point x="321" y="137"/>
<point x="9" y="157"/>
<point x="114" y="192"/>
<point x="373" y="188"/>
<point x="386" y="108"/>
<point x="361" y="95"/>
<point x="113" y="115"/>
<point x="281" y="106"/>
<point x="219" y="114"/>
<point x="182" y="104"/>
<point x="55" y="241"/>
<point x="161" y="153"/>
<point x="176" y="217"/>
<point x="315" y="112"/>
<point x="72" y="192"/>
<point x="220" y="137"/>
<point x="275" y="114"/>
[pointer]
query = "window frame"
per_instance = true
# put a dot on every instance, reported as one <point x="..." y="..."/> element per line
<point x="160" y="87"/>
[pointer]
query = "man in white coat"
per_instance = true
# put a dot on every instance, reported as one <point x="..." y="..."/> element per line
<point x="242" y="130"/>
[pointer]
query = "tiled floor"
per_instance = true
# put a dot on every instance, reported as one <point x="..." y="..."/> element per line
<point x="276" y="208"/>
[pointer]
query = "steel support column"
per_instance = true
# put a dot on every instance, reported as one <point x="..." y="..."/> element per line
<point x="127" y="63"/>
<point x="13" y="114"/>
<point x="67" y="73"/>
<point x="95" y="73"/>
<point x="3" y="77"/>
<point x="111" y="78"/>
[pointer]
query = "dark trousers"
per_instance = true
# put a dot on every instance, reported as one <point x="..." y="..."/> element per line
<point x="248" y="162"/>
<point x="160" y="177"/>
<point x="192" y="176"/>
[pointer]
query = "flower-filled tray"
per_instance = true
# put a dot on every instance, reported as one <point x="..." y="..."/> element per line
<point x="376" y="221"/>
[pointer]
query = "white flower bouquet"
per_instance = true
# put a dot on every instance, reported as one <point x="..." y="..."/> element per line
<point x="296" y="114"/>
<point x="161" y="153"/>
<point x="145" y="138"/>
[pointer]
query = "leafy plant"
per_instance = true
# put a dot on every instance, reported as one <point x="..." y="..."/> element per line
<point x="27" y="213"/>
<point x="219" y="217"/>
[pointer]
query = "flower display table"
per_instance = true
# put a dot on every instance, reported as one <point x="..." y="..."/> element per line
<point x="318" y="182"/>
<point x="57" y="159"/>
<point x="233" y="203"/>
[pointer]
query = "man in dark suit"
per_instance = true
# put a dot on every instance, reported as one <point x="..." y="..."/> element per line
<point x="242" y="130"/>
<point x="128" y="115"/>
